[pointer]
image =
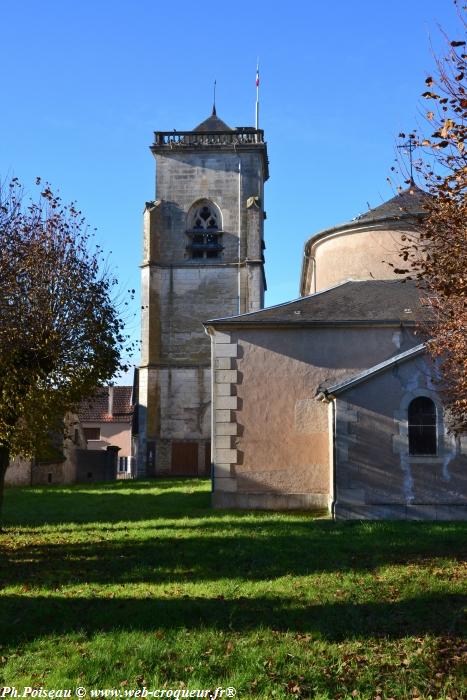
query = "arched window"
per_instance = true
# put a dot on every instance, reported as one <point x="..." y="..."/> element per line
<point x="204" y="230"/>
<point x="422" y="426"/>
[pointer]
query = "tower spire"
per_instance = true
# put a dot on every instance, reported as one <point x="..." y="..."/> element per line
<point x="214" y="113"/>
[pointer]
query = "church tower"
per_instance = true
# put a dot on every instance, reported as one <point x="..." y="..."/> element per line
<point x="202" y="258"/>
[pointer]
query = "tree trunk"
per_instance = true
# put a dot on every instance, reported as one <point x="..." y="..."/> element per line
<point x="4" y="462"/>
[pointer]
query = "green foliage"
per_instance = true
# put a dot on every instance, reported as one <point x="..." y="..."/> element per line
<point x="60" y="331"/>
<point x="134" y="584"/>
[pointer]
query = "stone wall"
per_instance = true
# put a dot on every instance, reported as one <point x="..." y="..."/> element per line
<point x="18" y="472"/>
<point x="96" y="465"/>
<point x="375" y="475"/>
<point x="179" y="293"/>
<point x="271" y="434"/>
<point x="358" y="253"/>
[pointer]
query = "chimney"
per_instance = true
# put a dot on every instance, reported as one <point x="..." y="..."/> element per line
<point x="111" y="400"/>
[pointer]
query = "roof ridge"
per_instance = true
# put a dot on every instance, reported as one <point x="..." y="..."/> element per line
<point x="330" y="391"/>
<point x="350" y="301"/>
<point x="282" y="303"/>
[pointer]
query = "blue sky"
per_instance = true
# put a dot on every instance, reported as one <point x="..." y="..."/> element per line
<point x="84" y="85"/>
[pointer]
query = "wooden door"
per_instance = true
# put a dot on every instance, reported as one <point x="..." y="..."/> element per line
<point x="185" y="458"/>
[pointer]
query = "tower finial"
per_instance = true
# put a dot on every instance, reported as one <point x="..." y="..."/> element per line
<point x="257" y="96"/>
<point x="214" y="113"/>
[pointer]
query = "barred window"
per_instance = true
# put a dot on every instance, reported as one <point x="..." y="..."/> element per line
<point x="422" y="426"/>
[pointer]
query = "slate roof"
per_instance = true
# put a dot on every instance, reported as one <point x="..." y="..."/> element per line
<point x="409" y="202"/>
<point x="212" y="123"/>
<point x="366" y="301"/>
<point x="97" y="407"/>
<point x="332" y="388"/>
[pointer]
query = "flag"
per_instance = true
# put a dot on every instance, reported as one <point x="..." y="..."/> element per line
<point x="257" y="76"/>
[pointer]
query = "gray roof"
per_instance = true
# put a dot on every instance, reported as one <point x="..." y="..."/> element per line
<point x="212" y="123"/>
<point x="366" y="301"/>
<point x="407" y="205"/>
<point x="328" y="390"/>
<point x="409" y="202"/>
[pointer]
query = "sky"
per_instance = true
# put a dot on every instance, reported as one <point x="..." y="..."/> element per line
<point x="84" y="85"/>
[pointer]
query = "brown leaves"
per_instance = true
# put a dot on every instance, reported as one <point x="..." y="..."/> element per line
<point x="293" y="688"/>
<point x="446" y="128"/>
<point x="440" y="259"/>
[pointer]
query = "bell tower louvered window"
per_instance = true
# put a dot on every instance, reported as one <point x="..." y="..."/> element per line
<point x="204" y="231"/>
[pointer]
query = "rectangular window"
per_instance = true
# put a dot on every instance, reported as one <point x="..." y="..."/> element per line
<point x="92" y="433"/>
<point x="124" y="464"/>
<point x="422" y="426"/>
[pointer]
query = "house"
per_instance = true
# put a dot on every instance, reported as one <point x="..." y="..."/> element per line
<point x="106" y="420"/>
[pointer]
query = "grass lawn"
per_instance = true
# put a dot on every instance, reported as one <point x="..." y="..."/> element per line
<point x="134" y="584"/>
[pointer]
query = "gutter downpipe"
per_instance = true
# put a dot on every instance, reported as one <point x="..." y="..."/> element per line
<point x="330" y="399"/>
<point x="334" y="452"/>
<point x="239" y="229"/>
<point x="210" y="332"/>
<point x="308" y="260"/>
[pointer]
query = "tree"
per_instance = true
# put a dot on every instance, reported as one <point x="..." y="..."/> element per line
<point x="60" y="331"/>
<point x="438" y="259"/>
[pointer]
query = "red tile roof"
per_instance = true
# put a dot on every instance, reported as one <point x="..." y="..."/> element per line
<point x="97" y="407"/>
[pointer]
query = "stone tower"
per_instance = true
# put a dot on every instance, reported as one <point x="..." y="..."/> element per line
<point x="203" y="258"/>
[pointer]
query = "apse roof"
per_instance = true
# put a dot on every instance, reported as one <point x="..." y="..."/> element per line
<point x="351" y="302"/>
<point x="409" y="202"/>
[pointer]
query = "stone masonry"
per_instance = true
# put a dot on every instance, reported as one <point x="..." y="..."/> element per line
<point x="185" y="282"/>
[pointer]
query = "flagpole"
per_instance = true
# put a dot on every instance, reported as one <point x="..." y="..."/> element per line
<point x="257" y="96"/>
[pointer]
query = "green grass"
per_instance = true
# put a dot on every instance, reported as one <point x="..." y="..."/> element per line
<point x="126" y="585"/>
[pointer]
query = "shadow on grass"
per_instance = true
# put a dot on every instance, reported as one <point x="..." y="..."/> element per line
<point x="236" y="551"/>
<point x="183" y="541"/>
<point x="106" y="502"/>
<point x="24" y="619"/>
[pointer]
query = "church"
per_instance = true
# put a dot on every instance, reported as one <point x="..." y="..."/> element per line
<point x="325" y="402"/>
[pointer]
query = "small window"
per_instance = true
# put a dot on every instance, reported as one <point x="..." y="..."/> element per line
<point x="123" y="464"/>
<point x="92" y="433"/>
<point x="422" y="426"/>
